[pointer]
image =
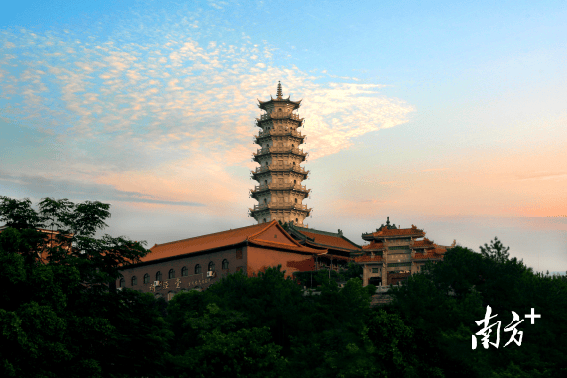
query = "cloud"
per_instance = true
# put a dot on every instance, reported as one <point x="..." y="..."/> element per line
<point x="543" y="176"/>
<point x="156" y="92"/>
<point x="42" y="186"/>
<point x="124" y="88"/>
<point x="433" y="169"/>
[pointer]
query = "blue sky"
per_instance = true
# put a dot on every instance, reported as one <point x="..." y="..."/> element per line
<point x="443" y="115"/>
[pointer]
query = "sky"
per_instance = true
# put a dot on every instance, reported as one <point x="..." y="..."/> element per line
<point x="443" y="115"/>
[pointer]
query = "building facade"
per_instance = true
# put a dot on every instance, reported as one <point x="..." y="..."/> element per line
<point x="390" y="257"/>
<point x="279" y="191"/>
<point x="395" y="253"/>
<point x="196" y="263"/>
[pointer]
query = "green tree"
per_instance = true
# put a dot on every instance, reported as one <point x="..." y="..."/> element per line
<point x="334" y="343"/>
<point x="444" y="302"/>
<point x="268" y="299"/>
<point x="352" y="270"/>
<point x="59" y="315"/>
<point x="495" y="251"/>
<point x="223" y="348"/>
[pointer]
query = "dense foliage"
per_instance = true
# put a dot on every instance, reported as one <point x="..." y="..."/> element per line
<point x="444" y="302"/>
<point x="60" y="315"/>
<point x="57" y="315"/>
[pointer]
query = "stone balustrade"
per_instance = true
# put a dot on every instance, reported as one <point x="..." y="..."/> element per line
<point x="279" y="205"/>
<point x="275" y="167"/>
<point x="281" y="150"/>
<point x="293" y="133"/>
<point x="277" y="186"/>
<point x="275" y="115"/>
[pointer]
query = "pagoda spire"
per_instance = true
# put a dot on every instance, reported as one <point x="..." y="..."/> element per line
<point x="279" y="91"/>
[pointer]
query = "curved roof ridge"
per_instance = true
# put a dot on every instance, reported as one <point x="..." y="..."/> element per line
<point x="251" y="237"/>
<point x="202" y="236"/>
<point x="300" y="248"/>
<point x="268" y="225"/>
<point x="328" y="233"/>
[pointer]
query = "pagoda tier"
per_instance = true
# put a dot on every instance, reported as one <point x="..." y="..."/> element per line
<point x="279" y="152"/>
<point x="261" y="172"/>
<point x="279" y="193"/>
<point x="262" y="189"/>
<point x="293" y="134"/>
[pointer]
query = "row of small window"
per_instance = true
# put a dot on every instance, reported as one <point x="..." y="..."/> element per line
<point x="266" y="201"/>
<point x="171" y="274"/>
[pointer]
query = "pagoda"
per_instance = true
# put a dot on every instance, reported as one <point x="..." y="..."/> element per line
<point x="279" y="191"/>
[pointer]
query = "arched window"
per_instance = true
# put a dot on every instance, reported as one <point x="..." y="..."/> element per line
<point x="134" y="281"/>
<point x="293" y="145"/>
<point x="146" y="278"/>
<point x="266" y="182"/>
<point x="184" y="271"/>
<point x="212" y="266"/>
<point x="171" y="274"/>
<point x="264" y="220"/>
<point x="158" y="276"/>
<point x="296" y="220"/>
<point x="293" y="163"/>
<point x="265" y="200"/>
<point x="122" y="282"/>
<point x="197" y="269"/>
<point x="225" y="264"/>
<point x="294" y="182"/>
<point x="296" y="200"/>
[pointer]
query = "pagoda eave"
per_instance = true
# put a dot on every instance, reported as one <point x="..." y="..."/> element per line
<point x="266" y="211"/>
<point x="266" y="104"/>
<point x="255" y="192"/>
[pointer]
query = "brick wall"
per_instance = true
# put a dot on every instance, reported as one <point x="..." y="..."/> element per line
<point x="259" y="259"/>
<point x="192" y="281"/>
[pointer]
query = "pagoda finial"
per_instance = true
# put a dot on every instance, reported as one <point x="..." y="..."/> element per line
<point x="279" y="91"/>
<point x="388" y="221"/>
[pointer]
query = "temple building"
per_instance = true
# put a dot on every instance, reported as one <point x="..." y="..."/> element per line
<point x="279" y="191"/>
<point x="395" y="253"/>
<point x="340" y="250"/>
<point x="198" y="262"/>
<point x="391" y="256"/>
<point x="280" y="236"/>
